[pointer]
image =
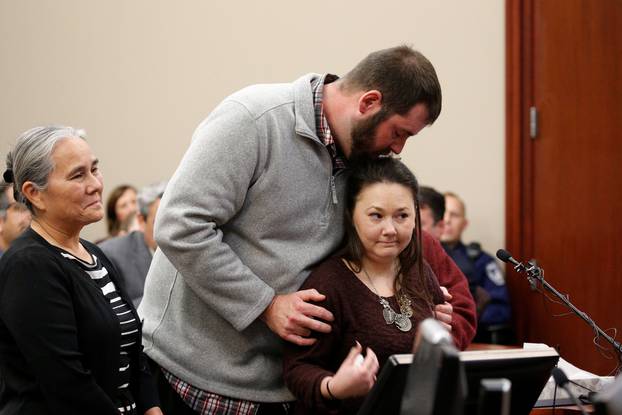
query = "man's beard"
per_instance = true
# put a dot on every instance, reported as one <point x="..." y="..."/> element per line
<point x="364" y="135"/>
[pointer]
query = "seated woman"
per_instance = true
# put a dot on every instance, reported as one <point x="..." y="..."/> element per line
<point x="70" y="341"/>
<point x="378" y="289"/>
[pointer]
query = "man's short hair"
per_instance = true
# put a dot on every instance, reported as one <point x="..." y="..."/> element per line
<point x="430" y="198"/>
<point x="404" y="77"/>
<point x="149" y="194"/>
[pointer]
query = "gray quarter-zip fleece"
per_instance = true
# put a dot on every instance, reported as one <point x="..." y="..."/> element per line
<point x="250" y="210"/>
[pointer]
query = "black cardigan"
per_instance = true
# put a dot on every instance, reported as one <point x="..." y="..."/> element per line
<point x="59" y="337"/>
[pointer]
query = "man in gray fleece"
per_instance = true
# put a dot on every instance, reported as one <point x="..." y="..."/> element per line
<point x="255" y="203"/>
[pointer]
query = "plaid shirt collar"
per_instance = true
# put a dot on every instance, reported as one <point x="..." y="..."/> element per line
<point x="322" y="127"/>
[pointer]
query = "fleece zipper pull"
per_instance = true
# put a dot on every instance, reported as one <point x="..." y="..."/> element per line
<point x="333" y="189"/>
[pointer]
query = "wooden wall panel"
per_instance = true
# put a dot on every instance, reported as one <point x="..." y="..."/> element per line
<point x="564" y="196"/>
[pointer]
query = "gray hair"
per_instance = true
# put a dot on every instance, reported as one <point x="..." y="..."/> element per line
<point x="149" y="194"/>
<point x="31" y="158"/>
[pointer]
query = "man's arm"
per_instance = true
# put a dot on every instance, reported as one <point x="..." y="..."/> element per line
<point x="461" y="313"/>
<point x="226" y="156"/>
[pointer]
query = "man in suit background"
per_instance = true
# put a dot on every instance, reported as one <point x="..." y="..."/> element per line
<point x="131" y="254"/>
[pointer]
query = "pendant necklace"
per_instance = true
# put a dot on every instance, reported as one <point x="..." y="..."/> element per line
<point x="401" y="319"/>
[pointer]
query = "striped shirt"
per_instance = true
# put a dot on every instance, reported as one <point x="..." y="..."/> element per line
<point x="129" y="326"/>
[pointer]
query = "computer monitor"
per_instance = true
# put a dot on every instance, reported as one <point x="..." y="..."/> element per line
<point x="527" y="370"/>
<point x="386" y="395"/>
<point x="455" y="386"/>
<point x="435" y="383"/>
<point x="436" y="363"/>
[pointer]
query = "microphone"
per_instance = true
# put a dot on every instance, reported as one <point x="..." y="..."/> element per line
<point x="534" y="273"/>
<point x="506" y="257"/>
<point x="561" y="380"/>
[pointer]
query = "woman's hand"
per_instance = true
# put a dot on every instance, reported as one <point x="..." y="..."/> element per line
<point x="154" y="411"/>
<point x="355" y="376"/>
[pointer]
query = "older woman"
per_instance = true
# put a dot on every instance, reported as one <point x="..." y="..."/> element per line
<point x="70" y="341"/>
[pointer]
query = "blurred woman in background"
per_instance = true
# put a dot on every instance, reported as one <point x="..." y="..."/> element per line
<point x="120" y="205"/>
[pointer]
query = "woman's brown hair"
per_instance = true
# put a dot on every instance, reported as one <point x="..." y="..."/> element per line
<point x="365" y="172"/>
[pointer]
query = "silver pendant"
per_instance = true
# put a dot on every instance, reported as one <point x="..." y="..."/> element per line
<point x="401" y="320"/>
<point x="389" y="315"/>
<point x="403" y="323"/>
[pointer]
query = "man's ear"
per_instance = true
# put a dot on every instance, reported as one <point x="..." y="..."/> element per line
<point x="370" y="101"/>
<point x="30" y="192"/>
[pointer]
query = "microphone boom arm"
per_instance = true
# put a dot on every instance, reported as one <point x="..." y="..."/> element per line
<point x="535" y="273"/>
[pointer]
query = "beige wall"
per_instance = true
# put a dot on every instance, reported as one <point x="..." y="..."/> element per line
<point x="139" y="76"/>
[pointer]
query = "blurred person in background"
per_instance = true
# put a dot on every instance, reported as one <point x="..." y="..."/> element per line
<point x="14" y="217"/>
<point x="6" y="191"/>
<point x="132" y="253"/>
<point x="484" y="274"/>
<point x="432" y="207"/>
<point x="121" y="203"/>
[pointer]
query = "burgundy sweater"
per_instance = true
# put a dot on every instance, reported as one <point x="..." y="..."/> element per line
<point x="358" y="317"/>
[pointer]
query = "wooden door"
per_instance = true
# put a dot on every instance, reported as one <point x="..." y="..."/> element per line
<point x="564" y="187"/>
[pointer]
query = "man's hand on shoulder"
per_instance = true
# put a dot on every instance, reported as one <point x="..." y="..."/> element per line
<point x="293" y="317"/>
<point x="444" y="312"/>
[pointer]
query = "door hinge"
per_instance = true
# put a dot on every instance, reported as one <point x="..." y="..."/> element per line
<point x="533" y="122"/>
